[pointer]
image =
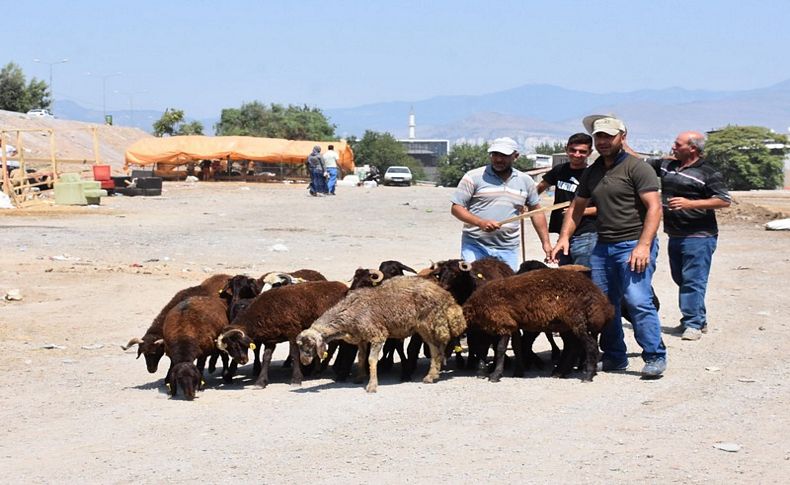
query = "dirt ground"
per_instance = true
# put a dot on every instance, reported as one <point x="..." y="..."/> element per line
<point x="86" y="411"/>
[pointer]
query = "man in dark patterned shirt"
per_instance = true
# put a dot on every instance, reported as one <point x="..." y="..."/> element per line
<point x="690" y="191"/>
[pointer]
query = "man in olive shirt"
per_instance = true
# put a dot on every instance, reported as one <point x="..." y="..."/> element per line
<point x="625" y="190"/>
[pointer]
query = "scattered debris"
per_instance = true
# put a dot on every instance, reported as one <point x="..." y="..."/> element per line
<point x="92" y="347"/>
<point x="279" y="248"/>
<point x="729" y="447"/>
<point x="53" y="346"/>
<point x="13" y="295"/>
<point x="744" y="379"/>
<point x="779" y="225"/>
<point x="712" y="369"/>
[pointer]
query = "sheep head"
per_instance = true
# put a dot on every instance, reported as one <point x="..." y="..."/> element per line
<point x="186" y="376"/>
<point x="365" y="278"/>
<point x="151" y="347"/>
<point x="236" y="344"/>
<point x="311" y="344"/>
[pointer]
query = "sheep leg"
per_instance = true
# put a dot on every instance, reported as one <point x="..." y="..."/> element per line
<point x="518" y="366"/>
<point x="530" y="357"/>
<point x="296" y="374"/>
<point x="201" y="365"/>
<point x="570" y="349"/>
<point x="230" y="371"/>
<point x="556" y="353"/>
<point x="373" y="360"/>
<point x="362" y="355"/>
<point x="501" y="348"/>
<point x="346" y="354"/>
<point x="437" y="355"/>
<point x="256" y="366"/>
<point x="591" y="356"/>
<point x="263" y="378"/>
<point x="388" y="359"/>
<point x="413" y="353"/>
<point x="212" y="362"/>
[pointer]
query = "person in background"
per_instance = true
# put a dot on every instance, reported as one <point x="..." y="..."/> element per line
<point x="315" y="166"/>
<point x="489" y="194"/>
<point x="330" y="165"/>
<point x="625" y="190"/>
<point x="565" y="177"/>
<point x="691" y="190"/>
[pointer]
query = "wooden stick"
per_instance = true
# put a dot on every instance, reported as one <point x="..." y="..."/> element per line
<point x="561" y="205"/>
<point x="523" y="244"/>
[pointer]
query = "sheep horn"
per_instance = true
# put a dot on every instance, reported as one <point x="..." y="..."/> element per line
<point x="134" y="341"/>
<point x="376" y="276"/>
<point x="220" y="344"/>
<point x="464" y="266"/>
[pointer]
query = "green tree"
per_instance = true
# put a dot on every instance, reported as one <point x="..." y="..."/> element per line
<point x="382" y="150"/>
<point x="276" y="121"/>
<point x="462" y="158"/>
<point x="745" y="161"/>
<point x="547" y="148"/>
<point x="17" y="96"/>
<point x="172" y="123"/>
<point x="191" y="128"/>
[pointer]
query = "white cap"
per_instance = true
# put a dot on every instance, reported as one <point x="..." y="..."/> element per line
<point x="505" y="146"/>
<point x="603" y="124"/>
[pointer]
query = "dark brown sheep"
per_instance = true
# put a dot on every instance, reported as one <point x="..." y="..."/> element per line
<point x="462" y="278"/>
<point x="278" y="315"/>
<point x="397" y="308"/>
<point x="275" y="279"/>
<point x="190" y="329"/>
<point x="151" y="344"/>
<point x="544" y="300"/>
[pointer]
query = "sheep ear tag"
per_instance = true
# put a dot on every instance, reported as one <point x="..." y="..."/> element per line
<point x="326" y="354"/>
<point x="252" y="346"/>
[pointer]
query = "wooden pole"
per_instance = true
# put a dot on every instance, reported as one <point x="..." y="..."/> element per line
<point x="523" y="243"/>
<point x="531" y="213"/>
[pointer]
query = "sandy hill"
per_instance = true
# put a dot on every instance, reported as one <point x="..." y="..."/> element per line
<point x="73" y="139"/>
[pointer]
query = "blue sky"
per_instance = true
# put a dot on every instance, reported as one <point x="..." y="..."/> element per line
<point x="203" y="56"/>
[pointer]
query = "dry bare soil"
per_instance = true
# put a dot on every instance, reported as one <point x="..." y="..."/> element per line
<point x="91" y="278"/>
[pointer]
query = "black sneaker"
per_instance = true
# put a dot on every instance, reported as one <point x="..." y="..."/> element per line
<point x="608" y="365"/>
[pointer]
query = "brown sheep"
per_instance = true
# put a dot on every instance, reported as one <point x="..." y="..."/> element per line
<point x="544" y="300"/>
<point x="151" y="344"/>
<point x="189" y="331"/>
<point x="397" y="308"/>
<point x="278" y="315"/>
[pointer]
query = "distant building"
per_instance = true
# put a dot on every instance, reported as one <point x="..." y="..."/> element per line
<point x="427" y="152"/>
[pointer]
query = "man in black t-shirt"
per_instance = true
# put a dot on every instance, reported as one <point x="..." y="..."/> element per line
<point x="565" y="178"/>
<point x="690" y="191"/>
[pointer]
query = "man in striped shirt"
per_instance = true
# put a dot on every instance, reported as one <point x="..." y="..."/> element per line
<point x="690" y="191"/>
<point x="489" y="194"/>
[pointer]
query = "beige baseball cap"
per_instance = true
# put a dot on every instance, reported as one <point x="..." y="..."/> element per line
<point x="603" y="124"/>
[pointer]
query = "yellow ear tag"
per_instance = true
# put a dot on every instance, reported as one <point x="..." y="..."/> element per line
<point x="457" y="349"/>
<point x="252" y="346"/>
<point x="326" y="354"/>
<point x="168" y="386"/>
<point x="480" y="275"/>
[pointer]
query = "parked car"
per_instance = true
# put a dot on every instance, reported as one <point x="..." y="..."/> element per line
<point x="396" y="175"/>
<point x="41" y="113"/>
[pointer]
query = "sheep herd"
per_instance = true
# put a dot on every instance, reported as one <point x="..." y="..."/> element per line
<point x="328" y="322"/>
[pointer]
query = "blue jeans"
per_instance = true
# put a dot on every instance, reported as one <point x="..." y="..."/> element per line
<point x="332" y="171"/>
<point x="611" y="273"/>
<point x="689" y="262"/>
<point x="580" y="249"/>
<point x="318" y="181"/>
<point x="472" y="250"/>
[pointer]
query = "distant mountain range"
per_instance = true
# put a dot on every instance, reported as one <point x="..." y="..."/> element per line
<point x="536" y="113"/>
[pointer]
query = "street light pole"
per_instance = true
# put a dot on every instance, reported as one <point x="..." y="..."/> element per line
<point x="104" y="78"/>
<point x="131" y="103"/>
<point x="51" y="88"/>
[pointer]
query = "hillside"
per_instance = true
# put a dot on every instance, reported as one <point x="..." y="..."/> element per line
<point x="73" y="139"/>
